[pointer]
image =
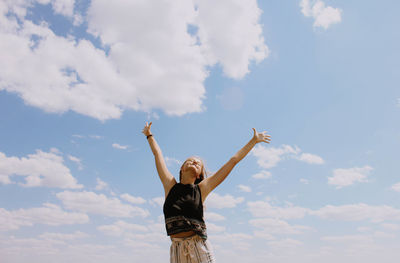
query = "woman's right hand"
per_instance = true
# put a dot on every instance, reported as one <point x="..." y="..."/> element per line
<point x="146" y="130"/>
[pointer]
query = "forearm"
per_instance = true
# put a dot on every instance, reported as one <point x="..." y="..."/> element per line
<point x="244" y="151"/>
<point x="155" y="149"/>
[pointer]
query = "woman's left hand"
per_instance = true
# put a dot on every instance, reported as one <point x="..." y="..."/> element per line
<point x="261" y="136"/>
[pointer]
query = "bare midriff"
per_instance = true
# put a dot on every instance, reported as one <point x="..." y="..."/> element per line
<point x="184" y="234"/>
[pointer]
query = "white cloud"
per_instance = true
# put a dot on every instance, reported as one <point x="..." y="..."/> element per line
<point x="268" y="157"/>
<point x="363" y="229"/>
<point x="76" y="160"/>
<point x="39" y="169"/>
<point x="391" y="227"/>
<point x="63" y="7"/>
<point x="271" y="226"/>
<point x="310" y="158"/>
<point x="5" y="179"/>
<point x="120" y="228"/>
<point x="265" y="209"/>
<point x="358" y="212"/>
<point x="150" y="54"/>
<point x="324" y="16"/>
<point x="380" y="234"/>
<point x="120" y="147"/>
<point x="230" y="33"/>
<point x="100" y="184"/>
<point x="63" y="236"/>
<point x="348" y="239"/>
<point x="229" y="237"/>
<point x="346" y="177"/>
<point x="74" y="79"/>
<point x="262" y="175"/>
<point x="229" y="243"/>
<point x="97" y="137"/>
<point x="213" y="228"/>
<point x="244" y="188"/>
<point x="217" y="201"/>
<point x="287" y="243"/>
<point x="396" y="187"/>
<point x="100" y="204"/>
<point x="158" y="201"/>
<point x="133" y="199"/>
<point x="49" y="214"/>
<point x="211" y="216"/>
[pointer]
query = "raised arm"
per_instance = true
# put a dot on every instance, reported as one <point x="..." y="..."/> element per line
<point x="167" y="179"/>
<point x="210" y="183"/>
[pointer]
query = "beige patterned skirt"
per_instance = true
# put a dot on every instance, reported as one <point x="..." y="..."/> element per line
<point x="192" y="249"/>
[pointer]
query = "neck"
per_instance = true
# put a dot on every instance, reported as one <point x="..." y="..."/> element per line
<point x="188" y="179"/>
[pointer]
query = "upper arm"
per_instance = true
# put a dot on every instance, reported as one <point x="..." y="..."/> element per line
<point x="210" y="183"/>
<point x="167" y="179"/>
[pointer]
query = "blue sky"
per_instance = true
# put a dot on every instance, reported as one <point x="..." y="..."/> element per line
<point x="79" y="79"/>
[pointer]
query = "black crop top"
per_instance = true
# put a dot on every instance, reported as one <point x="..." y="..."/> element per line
<point x="183" y="210"/>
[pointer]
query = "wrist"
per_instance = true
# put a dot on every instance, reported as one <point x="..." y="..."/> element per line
<point x="148" y="136"/>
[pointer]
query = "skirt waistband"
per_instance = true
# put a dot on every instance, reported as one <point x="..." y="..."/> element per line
<point x="192" y="237"/>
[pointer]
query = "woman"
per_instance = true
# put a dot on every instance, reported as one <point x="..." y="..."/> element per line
<point x="183" y="207"/>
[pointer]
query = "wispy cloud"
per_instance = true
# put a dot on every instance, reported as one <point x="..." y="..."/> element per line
<point x="266" y="209"/>
<point x="215" y="228"/>
<point x="310" y="158"/>
<point x="287" y="243"/>
<point x="304" y="181"/>
<point x="217" y="201"/>
<point x="212" y="216"/>
<point x="48" y="214"/>
<point x="262" y="175"/>
<point x="324" y="16"/>
<point x="120" y="228"/>
<point x="268" y="157"/>
<point x="63" y="236"/>
<point x="347" y="177"/>
<point x="100" y="184"/>
<point x="97" y="137"/>
<point x="120" y="147"/>
<point x="358" y="212"/>
<point x="76" y="160"/>
<point x="276" y="226"/>
<point x="132" y="199"/>
<point x="158" y="201"/>
<point x="244" y="188"/>
<point x="396" y="187"/>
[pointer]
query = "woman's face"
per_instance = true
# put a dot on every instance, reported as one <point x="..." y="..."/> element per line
<point x="194" y="165"/>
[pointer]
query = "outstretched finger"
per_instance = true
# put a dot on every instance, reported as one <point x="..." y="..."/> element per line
<point x="150" y="124"/>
